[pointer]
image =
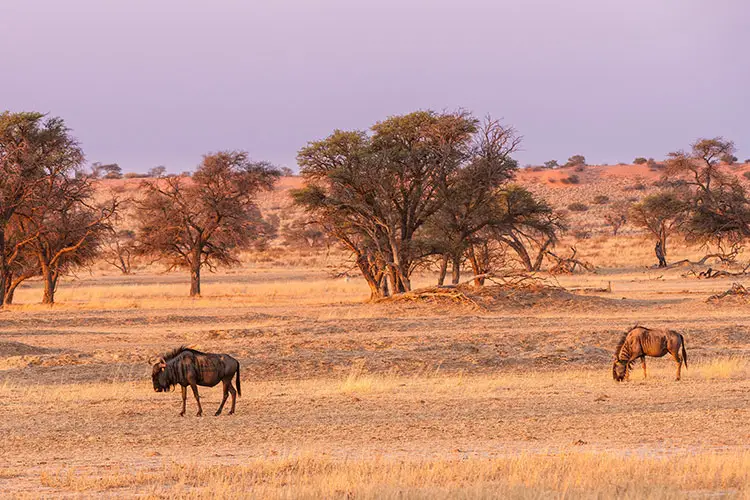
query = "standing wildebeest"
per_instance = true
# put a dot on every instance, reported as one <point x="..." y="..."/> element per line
<point x="188" y="367"/>
<point x="640" y="342"/>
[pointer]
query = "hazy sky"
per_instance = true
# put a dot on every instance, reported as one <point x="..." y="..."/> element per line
<point x="149" y="82"/>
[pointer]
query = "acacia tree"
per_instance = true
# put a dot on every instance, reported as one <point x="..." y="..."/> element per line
<point x="617" y="216"/>
<point x="64" y="225"/>
<point x="527" y="225"/>
<point x="21" y="263"/>
<point x="119" y="249"/>
<point x="470" y="200"/>
<point x="718" y="203"/>
<point x="32" y="150"/>
<point x="204" y="220"/>
<point x="661" y="214"/>
<point x="374" y="193"/>
<point x="339" y="198"/>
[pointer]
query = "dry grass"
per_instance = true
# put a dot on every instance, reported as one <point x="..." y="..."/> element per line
<point x="345" y="399"/>
<point x="579" y="474"/>
<point x="727" y="368"/>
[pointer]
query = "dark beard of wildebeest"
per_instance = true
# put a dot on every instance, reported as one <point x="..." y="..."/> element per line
<point x="188" y="367"/>
<point x="640" y="342"/>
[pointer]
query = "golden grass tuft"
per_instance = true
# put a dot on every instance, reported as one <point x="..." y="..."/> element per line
<point x="725" y="368"/>
<point x="526" y="475"/>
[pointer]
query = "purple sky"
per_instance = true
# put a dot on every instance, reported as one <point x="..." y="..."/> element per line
<point x="149" y="82"/>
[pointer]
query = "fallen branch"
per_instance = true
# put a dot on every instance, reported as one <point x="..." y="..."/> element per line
<point x="719" y="273"/>
<point x="736" y="290"/>
<point x="567" y="265"/>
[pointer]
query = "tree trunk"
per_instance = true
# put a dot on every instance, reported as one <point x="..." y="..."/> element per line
<point x="391" y="281"/>
<point x="3" y="264"/>
<point x="10" y="292"/>
<point x="195" y="280"/>
<point x="383" y="285"/>
<point x="520" y="250"/>
<point x="401" y="266"/>
<point x="456" y="269"/>
<point x="443" y="270"/>
<point x="404" y="283"/>
<point x="476" y="267"/>
<point x="540" y="256"/>
<point x="8" y="295"/>
<point x="364" y="267"/>
<point x="50" y="285"/>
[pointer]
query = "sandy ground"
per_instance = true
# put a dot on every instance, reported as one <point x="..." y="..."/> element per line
<point x="327" y="375"/>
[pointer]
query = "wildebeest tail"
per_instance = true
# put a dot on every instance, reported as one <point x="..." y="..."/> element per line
<point x="684" y="352"/>
<point x="239" y="387"/>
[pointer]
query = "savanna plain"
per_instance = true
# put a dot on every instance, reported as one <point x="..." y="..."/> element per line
<point x="510" y="396"/>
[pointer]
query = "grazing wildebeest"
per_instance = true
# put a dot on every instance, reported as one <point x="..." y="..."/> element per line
<point x="640" y="342"/>
<point x="188" y="367"/>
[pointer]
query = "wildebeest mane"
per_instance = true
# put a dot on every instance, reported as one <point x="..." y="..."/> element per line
<point x="175" y="352"/>
<point x="622" y="340"/>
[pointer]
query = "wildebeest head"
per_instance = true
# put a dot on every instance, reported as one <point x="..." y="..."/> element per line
<point x="619" y="370"/>
<point x="159" y="376"/>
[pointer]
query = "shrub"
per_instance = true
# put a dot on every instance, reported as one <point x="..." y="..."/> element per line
<point x="551" y="164"/>
<point x="746" y="175"/>
<point x="601" y="199"/>
<point x="582" y="234"/>
<point x="134" y="175"/>
<point x="576" y="160"/>
<point x="638" y="186"/>
<point x="729" y="159"/>
<point x="580" y="168"/>
<point x="571" y="179"/>
<point x="578" y="207"/>
<point x="640" y="160"/>
<point x="653" y="164"/>
<point x="157" y="171"/>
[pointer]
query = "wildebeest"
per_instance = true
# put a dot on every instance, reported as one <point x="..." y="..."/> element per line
<point x="640" y="342"/>
<point x="188" y="367"/>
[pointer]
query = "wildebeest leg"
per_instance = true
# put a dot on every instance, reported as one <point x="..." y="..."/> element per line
<point x="643" y="363"/>
<point x="184" y="400"/>
<point x="226" y="394"/>
<point x="234" y="396"/>
<point x="197" y="399"/>
<point x="679" y="364"/>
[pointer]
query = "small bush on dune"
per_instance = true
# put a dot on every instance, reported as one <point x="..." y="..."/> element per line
<point x="640" y="160"/>
<point x="576" y="160"/>
<point x="746" y="175"/>
<point x="602" y="199"/>
<point x="578" y="207"/>
<point x="571" y="179"/>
